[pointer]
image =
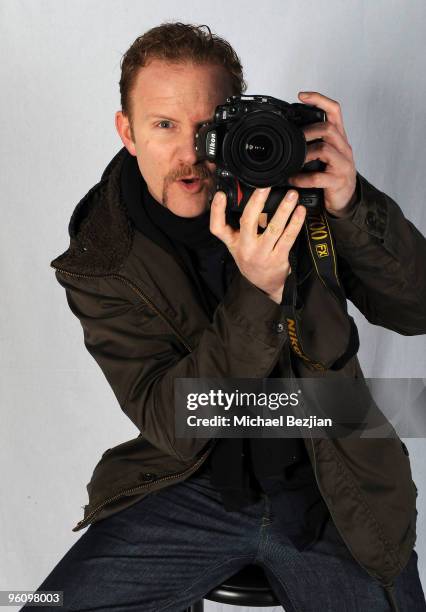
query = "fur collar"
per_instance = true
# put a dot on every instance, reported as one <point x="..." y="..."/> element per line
<point x="100" y="230"/>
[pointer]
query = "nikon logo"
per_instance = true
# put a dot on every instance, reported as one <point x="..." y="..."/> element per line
<point x="291" y="326"/>
<point x="211" y="144"/>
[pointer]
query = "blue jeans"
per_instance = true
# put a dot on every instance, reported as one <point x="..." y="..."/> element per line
<point x="169" y="549"/>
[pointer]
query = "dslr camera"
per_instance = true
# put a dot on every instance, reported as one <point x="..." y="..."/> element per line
<point x="257" y="141"/>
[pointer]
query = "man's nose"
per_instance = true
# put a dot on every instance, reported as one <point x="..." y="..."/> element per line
<point x="187" y="155"/>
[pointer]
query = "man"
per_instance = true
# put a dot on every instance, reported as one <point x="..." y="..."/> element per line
<point x="165" y="289"/>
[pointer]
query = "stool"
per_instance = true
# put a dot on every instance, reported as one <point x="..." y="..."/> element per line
<point x="248" y="587"/>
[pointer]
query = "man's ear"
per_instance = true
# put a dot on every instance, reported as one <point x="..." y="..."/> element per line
<point x="122" y="125"/>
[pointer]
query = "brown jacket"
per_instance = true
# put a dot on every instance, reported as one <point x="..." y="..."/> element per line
<point x="144" y="325"/>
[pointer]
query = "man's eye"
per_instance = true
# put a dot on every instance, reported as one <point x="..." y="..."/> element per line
<point x="164" y="123"/>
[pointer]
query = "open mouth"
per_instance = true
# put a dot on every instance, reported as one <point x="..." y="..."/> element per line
<point x="193" y="184"/>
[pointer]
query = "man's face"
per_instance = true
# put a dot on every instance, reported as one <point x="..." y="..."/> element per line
<point x="169" y="103"/>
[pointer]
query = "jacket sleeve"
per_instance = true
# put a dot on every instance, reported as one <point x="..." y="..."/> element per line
<point x="381" y="259"/>
<point x="140" y="355"/>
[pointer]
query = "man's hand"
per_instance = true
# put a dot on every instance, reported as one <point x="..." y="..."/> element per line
<point x="261" y="258"/>
<point x="339" y="178"/>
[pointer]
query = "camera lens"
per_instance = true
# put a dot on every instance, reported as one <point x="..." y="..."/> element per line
<point x="262" y="147"/>
<point x="259" y="148"/>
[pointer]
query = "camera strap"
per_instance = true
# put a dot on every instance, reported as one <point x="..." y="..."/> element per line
<point x="323" y="255"/>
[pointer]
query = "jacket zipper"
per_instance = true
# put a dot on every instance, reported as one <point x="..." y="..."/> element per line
<point x="132" y="490"/>
<point x="140" y="293"/>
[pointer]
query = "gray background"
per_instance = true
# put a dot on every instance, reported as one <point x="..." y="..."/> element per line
<point x="59" y="81"/>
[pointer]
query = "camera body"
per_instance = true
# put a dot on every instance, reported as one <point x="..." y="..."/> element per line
<point x="258" y="141"/>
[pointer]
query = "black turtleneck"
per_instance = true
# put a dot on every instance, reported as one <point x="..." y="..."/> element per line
<point x="241" y="469"/>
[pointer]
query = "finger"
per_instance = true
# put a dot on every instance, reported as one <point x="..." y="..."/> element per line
<point x="288" y="237"/>
<point x="278" y="222"/>
<point x="329" y="133"/>
<point x="330" y="106"/>
<point x="328" y="154"/>
<point x="319" y="180"/>
<point x="218" y="225"/>
<point x="263" y="220"/>
<point x="249" y="220"/>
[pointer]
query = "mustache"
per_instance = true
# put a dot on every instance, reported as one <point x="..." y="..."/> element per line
<point x="200" y="172"/>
